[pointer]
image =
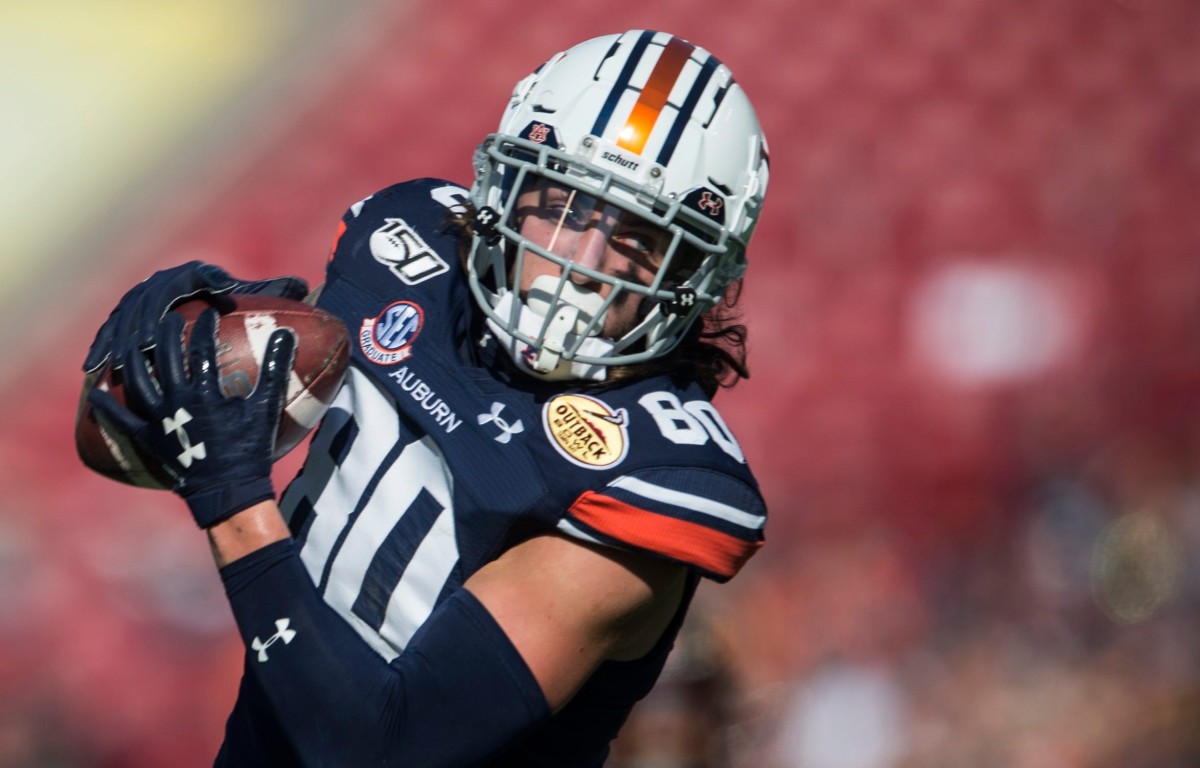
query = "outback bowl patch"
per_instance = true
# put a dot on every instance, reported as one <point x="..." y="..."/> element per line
<point x="586" y="431"/>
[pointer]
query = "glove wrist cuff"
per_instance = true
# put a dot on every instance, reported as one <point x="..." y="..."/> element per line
<point x="214" y="504"/>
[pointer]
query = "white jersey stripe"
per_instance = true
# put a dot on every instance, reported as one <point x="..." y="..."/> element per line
<point x="575" y="532"/>
<point x="419" y="468"/>
<point x="425" y="574"/>
<point x="690" y="501"/>
<point x="423" y="579"/>
<point x="359" y="395"/>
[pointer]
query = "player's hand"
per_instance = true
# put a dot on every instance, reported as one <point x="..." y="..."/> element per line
<point x="219" y="449"/>
<point x="131" y="325"/>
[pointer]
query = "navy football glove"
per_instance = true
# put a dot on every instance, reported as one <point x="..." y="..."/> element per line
<point x="219" y="449"/>
<point x="131" y="325"/>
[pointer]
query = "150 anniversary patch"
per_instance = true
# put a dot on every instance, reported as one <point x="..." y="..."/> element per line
<point x="586" y="431"/>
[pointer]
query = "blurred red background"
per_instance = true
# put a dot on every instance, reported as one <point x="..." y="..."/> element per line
<point x="974" y="305"/>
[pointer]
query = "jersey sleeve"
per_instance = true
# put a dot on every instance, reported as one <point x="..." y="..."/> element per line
<point x="313" y="688"/>
<point x="705" y="519"/>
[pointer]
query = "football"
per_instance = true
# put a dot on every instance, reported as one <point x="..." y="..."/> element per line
<point x="322" y="356"/>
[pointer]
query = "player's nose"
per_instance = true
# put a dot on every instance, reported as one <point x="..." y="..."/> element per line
<point x="591" y="251"/>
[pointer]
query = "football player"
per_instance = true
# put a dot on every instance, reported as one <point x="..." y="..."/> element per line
<point x="505" y="513"/>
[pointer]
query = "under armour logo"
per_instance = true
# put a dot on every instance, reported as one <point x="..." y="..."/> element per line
<point x="281" y="633"/>
<point x="685" y="298"/>
<point x="506" y="430"/>
<point x="710" y="203"/>
<point x="190" y="452"/>
<point x="486" y="219"/>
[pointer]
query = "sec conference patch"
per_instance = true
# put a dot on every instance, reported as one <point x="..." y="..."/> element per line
<point x="387" y="339"/>
<point x="586" y="431"/>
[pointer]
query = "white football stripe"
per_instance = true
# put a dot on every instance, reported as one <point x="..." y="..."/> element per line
<point x="307" y="409"/>
<point x="690" y="501"/>
<point x="259" y="328"/>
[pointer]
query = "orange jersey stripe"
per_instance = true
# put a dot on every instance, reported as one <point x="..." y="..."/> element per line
<point x="654" y="95"/>
<point x="715" y="552"/>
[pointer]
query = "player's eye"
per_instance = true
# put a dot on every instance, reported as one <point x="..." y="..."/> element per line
<point x="637" y="240"/>
<point x="641" y="242"/>
<point x="569" y="216"/>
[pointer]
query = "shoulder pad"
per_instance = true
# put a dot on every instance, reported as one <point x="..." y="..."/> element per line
<point x="664" y="474"/>
<point x="400" y="236"/>
<point x="650" y="422"/>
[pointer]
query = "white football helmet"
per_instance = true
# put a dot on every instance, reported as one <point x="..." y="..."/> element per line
<point x="643" y="128"/>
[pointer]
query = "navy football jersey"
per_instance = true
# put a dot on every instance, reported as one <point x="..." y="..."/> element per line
<point x="430" y="463"/>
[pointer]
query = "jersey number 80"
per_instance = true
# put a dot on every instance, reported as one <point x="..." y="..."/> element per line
<point x="692" y="423"/>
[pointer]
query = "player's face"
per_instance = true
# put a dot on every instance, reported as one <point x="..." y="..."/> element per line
<point x="596" y="236"/>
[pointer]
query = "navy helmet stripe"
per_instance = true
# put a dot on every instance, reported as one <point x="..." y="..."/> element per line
<point x="717" y="101"/>
<point x="610" y="104"/>
<point x="686" y="109"/>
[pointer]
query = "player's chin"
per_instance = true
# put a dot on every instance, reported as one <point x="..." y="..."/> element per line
<point x="622" y="320"/>
<point x="615" y="328"/>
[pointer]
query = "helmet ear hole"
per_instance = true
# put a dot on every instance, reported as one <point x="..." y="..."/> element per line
<point x="686" y="263"/>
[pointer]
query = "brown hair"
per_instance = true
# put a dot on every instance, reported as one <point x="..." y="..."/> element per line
<point x="712" y="352"/>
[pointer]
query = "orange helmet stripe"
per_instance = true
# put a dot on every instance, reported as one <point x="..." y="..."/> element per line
<point x="654" y="95"/>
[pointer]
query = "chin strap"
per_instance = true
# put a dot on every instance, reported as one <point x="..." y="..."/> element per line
<point x="547" y="363"/>
<point x="550" y="355"/>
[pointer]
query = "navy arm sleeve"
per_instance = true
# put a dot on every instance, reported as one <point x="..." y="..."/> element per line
<point x="459" y="692"/>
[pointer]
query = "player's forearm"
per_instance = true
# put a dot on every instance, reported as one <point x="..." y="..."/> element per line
<point x="459" y="692"/>
<point x="247" y="531"/>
